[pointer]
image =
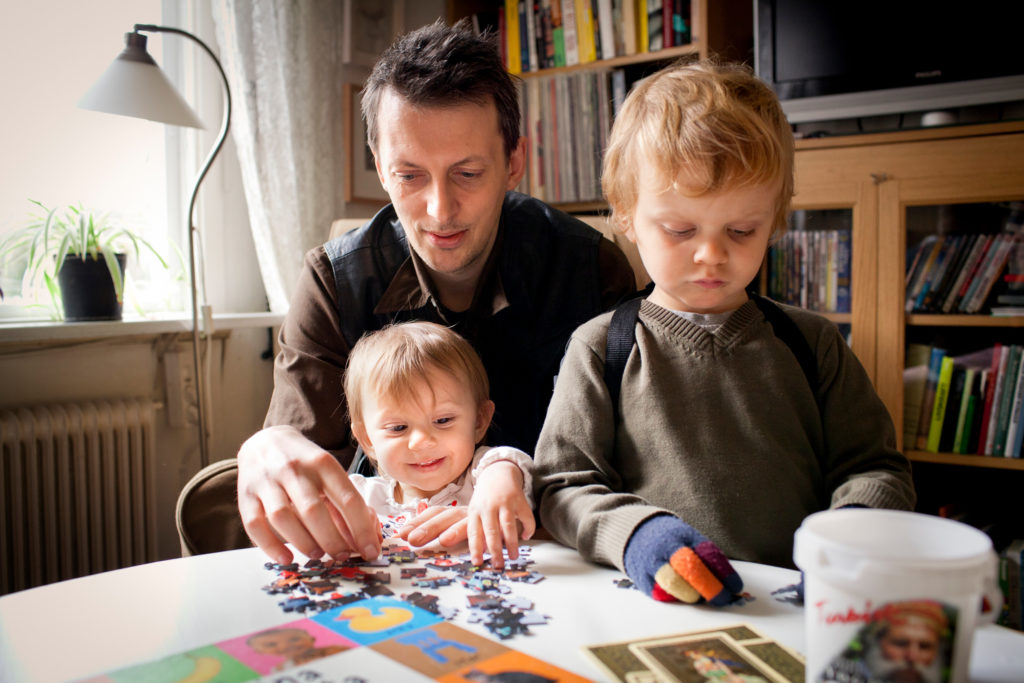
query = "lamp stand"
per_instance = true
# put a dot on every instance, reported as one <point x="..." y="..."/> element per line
<point x="204" y="448"/>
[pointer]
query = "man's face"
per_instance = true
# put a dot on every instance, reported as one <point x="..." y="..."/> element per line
<point x="907" y="652"/>
<point x="446" y="172"/>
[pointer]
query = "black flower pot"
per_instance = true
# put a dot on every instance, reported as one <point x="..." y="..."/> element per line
<point x="87" y="289"/>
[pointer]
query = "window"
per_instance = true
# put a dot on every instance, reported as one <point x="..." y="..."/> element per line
<point x="51" y="51"/>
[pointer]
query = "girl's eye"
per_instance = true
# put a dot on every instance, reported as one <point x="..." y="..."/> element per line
<point x="395" y="429"/>
<point x="444" y="420"/>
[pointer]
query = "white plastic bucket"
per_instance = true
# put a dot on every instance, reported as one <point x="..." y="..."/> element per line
<point x="887" y="592"/>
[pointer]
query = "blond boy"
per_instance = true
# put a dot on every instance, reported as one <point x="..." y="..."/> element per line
<point x="720" y="445"/>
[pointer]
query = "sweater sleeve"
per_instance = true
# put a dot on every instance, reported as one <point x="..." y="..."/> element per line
<point x="861" y="465"/>
<point x="577" y="488"/>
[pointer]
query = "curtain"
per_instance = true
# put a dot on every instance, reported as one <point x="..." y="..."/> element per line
<point x="283" y="62"/>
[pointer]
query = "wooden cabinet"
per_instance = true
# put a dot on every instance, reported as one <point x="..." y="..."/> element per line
<point x="891" y="185"/>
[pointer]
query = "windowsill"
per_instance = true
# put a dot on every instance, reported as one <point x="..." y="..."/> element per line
<point x="42" y="331"/>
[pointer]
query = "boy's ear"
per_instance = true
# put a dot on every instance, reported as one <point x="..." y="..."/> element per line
<point x="483" y="419"/>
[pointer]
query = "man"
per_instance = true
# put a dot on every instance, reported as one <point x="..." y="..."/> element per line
<point x="455" y="246"/>
<point x="905" y="642"/>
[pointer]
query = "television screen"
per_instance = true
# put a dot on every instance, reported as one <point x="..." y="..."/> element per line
<point x="845" y="59"/>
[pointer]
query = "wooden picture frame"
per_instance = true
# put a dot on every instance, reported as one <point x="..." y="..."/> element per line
<point x="362" y="184"/>
<point x="370" y="27"/>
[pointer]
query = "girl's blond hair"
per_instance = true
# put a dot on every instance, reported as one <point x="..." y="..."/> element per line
<point x="715" y="124"/>
<point x="391" y="361"/>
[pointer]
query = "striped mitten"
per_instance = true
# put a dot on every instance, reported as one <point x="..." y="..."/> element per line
<point x="670" y="560"/>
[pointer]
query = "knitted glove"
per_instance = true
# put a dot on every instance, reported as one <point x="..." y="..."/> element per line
<point x="670" y="560"/>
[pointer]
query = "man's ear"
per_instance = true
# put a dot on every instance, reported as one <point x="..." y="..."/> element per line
<point x="483" y="420"/>
<point x="516" y="164"/>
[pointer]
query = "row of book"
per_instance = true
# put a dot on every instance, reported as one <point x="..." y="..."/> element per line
<point x="545" y="34"/>
<point x="956" y="273"/>
<point x="567" y="117"/>
<point x="969" y="404"/>
<point x="811" y="269"/>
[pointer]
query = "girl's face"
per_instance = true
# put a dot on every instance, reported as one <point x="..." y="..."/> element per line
<point x="424" y="440"/>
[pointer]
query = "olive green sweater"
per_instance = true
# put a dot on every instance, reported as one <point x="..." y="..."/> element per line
<point x="720" y="429"/>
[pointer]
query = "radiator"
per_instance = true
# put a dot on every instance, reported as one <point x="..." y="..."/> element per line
<point x="77" y="490"/>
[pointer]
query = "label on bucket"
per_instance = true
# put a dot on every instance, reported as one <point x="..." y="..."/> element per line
<point x="904" y="641"/>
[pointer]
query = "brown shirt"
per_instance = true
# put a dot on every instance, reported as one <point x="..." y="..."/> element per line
<point x="313" y="349"/>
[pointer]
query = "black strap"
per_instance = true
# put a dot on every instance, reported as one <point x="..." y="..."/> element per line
<point x="622" y="336"/>
<point x="786" y="330"/>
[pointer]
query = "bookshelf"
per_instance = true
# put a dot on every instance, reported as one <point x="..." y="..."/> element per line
<point x="895" y="189"/>
<point x="567" y="110"/>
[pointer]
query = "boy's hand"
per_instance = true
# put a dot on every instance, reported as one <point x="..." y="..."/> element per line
<point x="670" y="560"/>
<point x="499" y="514"/>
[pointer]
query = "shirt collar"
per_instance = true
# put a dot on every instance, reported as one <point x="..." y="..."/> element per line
<point x="412" y="288"/>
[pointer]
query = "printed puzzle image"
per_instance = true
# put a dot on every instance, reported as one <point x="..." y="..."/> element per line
<point x="348" y="623"/>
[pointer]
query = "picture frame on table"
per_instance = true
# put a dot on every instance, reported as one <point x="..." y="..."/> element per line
<point x="370" y="27"/>
<point x="361" y="181"/>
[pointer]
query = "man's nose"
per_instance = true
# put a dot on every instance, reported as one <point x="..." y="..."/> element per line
<point x="442" y="204"/>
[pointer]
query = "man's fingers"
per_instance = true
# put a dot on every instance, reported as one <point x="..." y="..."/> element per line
<point x="364" y="531"/>
<point x="260" y="532"/>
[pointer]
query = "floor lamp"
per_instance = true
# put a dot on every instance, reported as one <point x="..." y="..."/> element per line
<point x="133" y="85"/>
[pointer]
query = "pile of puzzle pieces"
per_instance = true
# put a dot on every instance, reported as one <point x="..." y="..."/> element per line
<point x="321" y="585"/>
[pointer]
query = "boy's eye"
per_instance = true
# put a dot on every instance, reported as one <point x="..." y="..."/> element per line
<point x="444" y="420"/>
<point x="395" y="429"/>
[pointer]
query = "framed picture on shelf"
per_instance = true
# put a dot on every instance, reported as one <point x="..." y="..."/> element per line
<point x="361" y="181"/>
<point x="370" y="27"/>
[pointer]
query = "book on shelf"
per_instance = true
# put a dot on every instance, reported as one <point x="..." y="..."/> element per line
<point x="606" y="28"/>
<point x="942" y="389"/>
<point x="967" y="273"/>
<point x="585" y="31"/>
<point x="987" y="276"/>
<point x="629" y="27"/>
<point x="927" y="252"/>
<point x="990" y="392"/>
<point x="954" y="445"/>
<point x="557" y="33"/>
<point x="528" y="18"/>
<point x="915" y="376"/>
<point x="928" y="401"/>
<point x="655" y="21"/>
<point x="570" y="32"/>
<point x="513" y="55"/>
<point x="1011" y="582"/>
<point x="1005" y="404"/>
<point x="642" y="30"/>
<point x="951" y="415"/>
<point x="1013" y="428"/>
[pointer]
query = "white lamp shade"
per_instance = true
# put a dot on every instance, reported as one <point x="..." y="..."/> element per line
<point x="140" y="90"/>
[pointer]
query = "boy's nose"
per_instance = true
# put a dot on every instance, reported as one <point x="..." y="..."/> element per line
<point x="710" y="251"/>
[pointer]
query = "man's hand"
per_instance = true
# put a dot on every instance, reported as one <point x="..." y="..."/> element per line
<point x="292" y="491"/>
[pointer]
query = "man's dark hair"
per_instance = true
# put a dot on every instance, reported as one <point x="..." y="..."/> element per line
<point x="439" y="66"/>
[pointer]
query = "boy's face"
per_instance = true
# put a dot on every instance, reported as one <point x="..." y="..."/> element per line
<point x="446" y="173"/>
<point x="425" y="440"/>
<point x="701" y="252"/>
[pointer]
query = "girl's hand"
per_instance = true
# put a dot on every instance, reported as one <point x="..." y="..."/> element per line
<point x="446" y="522"/>
<point x="499" y="515"/>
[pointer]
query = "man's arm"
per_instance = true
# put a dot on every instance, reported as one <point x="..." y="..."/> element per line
<point x="292" y="485"/>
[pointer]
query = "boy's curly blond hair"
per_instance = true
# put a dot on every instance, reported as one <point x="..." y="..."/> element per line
<point x="715" y="124"/>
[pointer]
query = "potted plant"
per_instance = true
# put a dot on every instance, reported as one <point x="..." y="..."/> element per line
<point x="80" y="258"/>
